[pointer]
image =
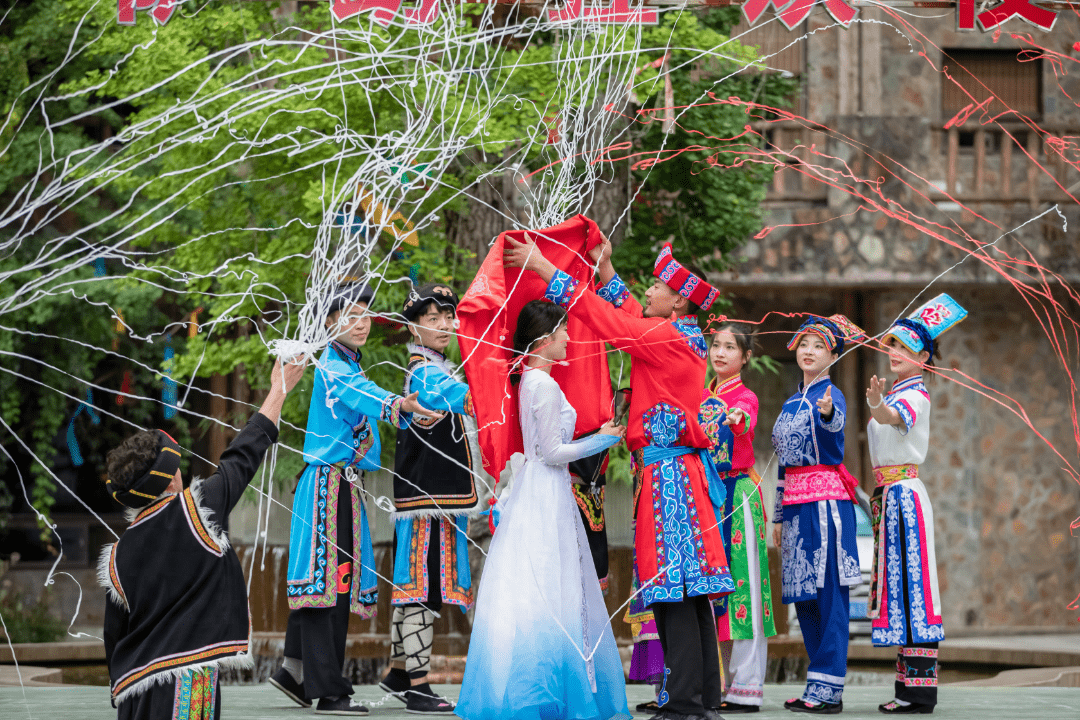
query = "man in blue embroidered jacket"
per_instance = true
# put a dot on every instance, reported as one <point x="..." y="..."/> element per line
<point x="177" y="607"/>
<point x="331" y="560"/>
<point x="678" y="545"/>
<point x="434" y="495"/>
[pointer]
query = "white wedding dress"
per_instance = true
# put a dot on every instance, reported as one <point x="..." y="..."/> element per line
<point x="542" y="645"/>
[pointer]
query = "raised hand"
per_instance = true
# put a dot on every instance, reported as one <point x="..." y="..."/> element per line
<point x="412" y="405"/>
<point x="875" y="391"/>
<point x="824" y="405"/>
<point x="734" y="416"/>
<point x="519" y="254"/>
<point x="602" y="251"/>
<point x="285" y="379"/>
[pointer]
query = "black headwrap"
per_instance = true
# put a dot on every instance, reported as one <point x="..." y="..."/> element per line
<point x="144" y="490"/>
<point x="421" y="297"/>
<point x="350" y="294"/>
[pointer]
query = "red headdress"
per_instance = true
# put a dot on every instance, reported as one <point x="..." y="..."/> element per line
<point x="678" y="278"/>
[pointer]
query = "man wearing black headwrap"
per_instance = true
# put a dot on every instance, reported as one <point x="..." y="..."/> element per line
<point x="434" y="496"/>
<point x="177" y="607"/>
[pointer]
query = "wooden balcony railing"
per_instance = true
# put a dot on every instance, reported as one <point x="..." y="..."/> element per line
<point x="1001" y="164"/>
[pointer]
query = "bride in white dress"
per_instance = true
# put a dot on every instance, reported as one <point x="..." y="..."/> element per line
<point x="542" y="645"/>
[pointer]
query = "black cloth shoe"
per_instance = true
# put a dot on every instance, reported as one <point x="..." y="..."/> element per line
<point x="421" y="700"/>
<point x="650" y="707"/>
<point x="893" y="708"/>
<point x="733" y="707"/>
<point x="798" y="705"/>
<point x="283" y="681"/>
<point x="396" y="683"/>
<point x="343" y="705"/>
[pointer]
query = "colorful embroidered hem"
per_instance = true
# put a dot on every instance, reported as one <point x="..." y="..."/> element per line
<point x="196" y="694"/>
<point x="411" y="575"/>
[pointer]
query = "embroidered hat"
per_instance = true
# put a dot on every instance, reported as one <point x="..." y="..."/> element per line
<point x="672" y="273"/>
<point x="348" y="294"/>
<point x="835" y="330"/>
<point x="428" y="293"/>
<point x="919" y="331"/>
<point x="145" y="489"/>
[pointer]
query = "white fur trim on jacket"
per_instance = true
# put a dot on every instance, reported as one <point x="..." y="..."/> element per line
<point x="112" y="590"/>
<point x="166" y="677"/>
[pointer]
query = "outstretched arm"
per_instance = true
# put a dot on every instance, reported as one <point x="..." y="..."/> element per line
<point x="546" y="415"/>
<point x="241" y="460"/>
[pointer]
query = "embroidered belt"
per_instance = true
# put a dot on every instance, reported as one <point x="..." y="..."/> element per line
<point x="889" y="474"/>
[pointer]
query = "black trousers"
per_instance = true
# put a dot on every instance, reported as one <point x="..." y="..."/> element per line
<point x="687" y="633"/>
<point x="317" y="635"/>
<point x="916" y="663"/>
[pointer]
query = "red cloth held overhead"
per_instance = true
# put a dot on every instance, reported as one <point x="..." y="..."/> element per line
<point x="487" y="317"/>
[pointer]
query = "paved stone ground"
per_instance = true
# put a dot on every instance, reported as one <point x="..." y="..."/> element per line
<point x="259" y="702"/>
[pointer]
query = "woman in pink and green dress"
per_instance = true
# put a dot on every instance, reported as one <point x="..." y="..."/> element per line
<point x="745" y="618"/>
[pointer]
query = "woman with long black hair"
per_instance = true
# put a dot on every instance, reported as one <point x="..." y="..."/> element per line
<point x="542" y="646"/>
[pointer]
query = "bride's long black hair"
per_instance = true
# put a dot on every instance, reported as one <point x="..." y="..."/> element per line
<point x="539" y="318"/>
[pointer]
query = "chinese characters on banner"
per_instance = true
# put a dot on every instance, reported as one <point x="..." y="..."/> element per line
<point x="619" y="12"/>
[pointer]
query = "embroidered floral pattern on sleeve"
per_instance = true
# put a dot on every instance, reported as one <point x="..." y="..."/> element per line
<point x="836" y="423"/>
<point x="391" y="412"/>
<point x="688" y="328"/>
<point x="615" y="292"/>
<point x="362" y="439"/>
<point x="561" y="289"/>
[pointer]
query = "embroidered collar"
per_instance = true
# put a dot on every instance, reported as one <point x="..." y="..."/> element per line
<point x="823" y="378"/>
<point x="345" y="353"/>
<point x="901" y="385"/>
<point x="719" y="388"/>
<point x="687" y="327"/>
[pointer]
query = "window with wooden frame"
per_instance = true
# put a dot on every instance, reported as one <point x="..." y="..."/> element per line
<point x="1013" y="78"/>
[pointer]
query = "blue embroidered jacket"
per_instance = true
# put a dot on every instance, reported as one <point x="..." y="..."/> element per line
<point x="344" y="403"/>
<point x="801" y="438"/>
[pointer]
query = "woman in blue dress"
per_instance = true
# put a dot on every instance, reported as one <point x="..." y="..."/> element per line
<point x="815" y="509"/>
<point x="542" y="645"/>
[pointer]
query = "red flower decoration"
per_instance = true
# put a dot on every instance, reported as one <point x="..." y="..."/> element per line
<point x="741" y="612"/>
<point x="740" y="583"/>
<point x="736" y="537"/>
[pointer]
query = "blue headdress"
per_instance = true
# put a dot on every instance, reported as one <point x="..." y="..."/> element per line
<point x="919" y="331"/>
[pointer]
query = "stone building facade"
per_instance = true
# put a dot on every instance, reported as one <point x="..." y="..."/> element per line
<point x="881" y="207"/>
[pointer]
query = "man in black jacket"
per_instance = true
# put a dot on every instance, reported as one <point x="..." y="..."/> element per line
<point x="177" y="606"/>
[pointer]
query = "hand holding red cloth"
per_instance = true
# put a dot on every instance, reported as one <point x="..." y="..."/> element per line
<point x="487" y="317"/>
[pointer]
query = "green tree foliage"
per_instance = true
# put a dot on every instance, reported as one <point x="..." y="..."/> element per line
<point x="702" y="199"/>
<point x="223" y="165"/>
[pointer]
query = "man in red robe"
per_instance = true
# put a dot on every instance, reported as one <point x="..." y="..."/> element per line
<point x="678" y="543"/>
